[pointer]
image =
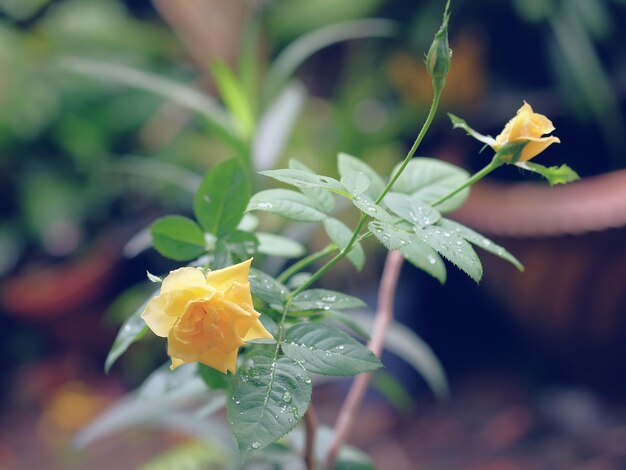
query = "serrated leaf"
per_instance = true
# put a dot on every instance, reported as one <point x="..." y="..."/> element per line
<point x="481" y="241"/>
<point x="391" y="236"/>
<point x="268" y="399"/>
<point x="131" y="331"/>
<point x="348" y="163"/>
<point x="455" y="249"/>
<point x="213" y="379"/>
<point x="554" y="174"/>
<point x="178" y="238"/>
<point x="276" y="245"/>
<point x="458" y="123"/>
<point x="267" y="288"/>
<point x="324" y="349"/>
<point x="429" y="179"/>
<point x="286" y="203"/>
<point x="367" y="205"/>
<point x="323" y="199"/>
<point x="412" y="209"/>
<point x="340" y="236"/>
<point x="425" y="258"/>
<point x="324" y="299"/>
<point x="221" y="199"/>
<point x="355" y="182"/>
<point x="304" y="179"/>
<point x="234" y="97"/>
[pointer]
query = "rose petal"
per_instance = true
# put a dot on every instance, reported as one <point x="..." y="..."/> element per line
<point x="183" y="278"/>
<point x="535" y="146"/>
<point x="219" y="360"/>
<point x="156" y="317"/>
<point x="257" y="331"/>
<point x="223" y="278"/>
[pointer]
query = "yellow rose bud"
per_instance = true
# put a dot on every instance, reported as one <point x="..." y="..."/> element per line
<point x="205" y="318"/>
<point x="527" y="126"/>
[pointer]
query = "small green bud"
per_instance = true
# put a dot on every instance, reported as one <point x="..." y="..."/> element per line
<point x="439" y="57"/>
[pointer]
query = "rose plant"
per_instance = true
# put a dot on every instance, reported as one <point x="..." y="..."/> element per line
<point x="261" y="339"/>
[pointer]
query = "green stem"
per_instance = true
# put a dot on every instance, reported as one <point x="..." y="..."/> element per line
<point x="480" y="174"/>
<point x="304" y="262"/>
<point x="438" y="87"/>
<point x="418" y="140"/>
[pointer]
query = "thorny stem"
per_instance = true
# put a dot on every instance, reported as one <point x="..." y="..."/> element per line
<point x="384" y="316"/>
<point x="310" y="425"/>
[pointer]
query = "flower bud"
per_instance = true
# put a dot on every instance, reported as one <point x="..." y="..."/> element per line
<point x="439" y="57"/>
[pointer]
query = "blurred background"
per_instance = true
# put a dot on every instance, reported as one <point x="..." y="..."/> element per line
<point x="107" y="121"/>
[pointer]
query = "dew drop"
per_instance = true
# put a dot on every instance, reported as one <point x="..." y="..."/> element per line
<point x="256" y="444"/>
<point x="307" y="381"/>
<point x="341" y="347"/>
<point x="287" y="397"/>
<point x="431" y="259"/>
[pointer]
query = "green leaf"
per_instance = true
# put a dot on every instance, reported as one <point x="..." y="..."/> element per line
<point x="271" y="326"/>
<point x="131" y="331"/>
<point x="234" y="98"/>
<point x="268" y="398"/>
<point x="348" y="164"/>
<point x="276" y="245"/>
<point x="425" y="258"/>
<point x="391" y="236"/>
<point x="452" y="247"/>
<point x="322" y="198"/>
<point x="242" y="245"/>
<point x="267" y="288"/>
<point x="412" y="209"/>
<point x="356" y="182"/>
<point x="367" y="205"/>
<point x="324" y="349"/>
<point x="324" y="299"/>
<point x="304" y="179"/>
<point x="221" y="200"/>
<point x="481" y="241"/>
<point x="178" y="238"/>
<point x="554" y="174"/>
<point x="340" y="236"/>
<point x="214" y="379"/>
<point x="458" y="123"/>
<point x="348" y="322"/>
<point x="429" y="179"/>
<point x="286" y="203"/>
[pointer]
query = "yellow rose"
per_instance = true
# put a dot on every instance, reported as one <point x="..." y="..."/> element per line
<point x="527" y="126"/>
<point x="205" y="318"/>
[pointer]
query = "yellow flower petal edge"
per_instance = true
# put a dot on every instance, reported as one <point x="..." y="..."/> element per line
<point x="527" y="126"/>
<point x="206" y="318"/>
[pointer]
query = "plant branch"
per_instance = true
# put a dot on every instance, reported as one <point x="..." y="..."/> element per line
<point x="357" y="231"/>
<point x="418" y="140"/>
<point x="496" y="162"/>
<point x="384" y="316"/>
<point x="310" y="426"/>
<point x="304" y="262"/>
